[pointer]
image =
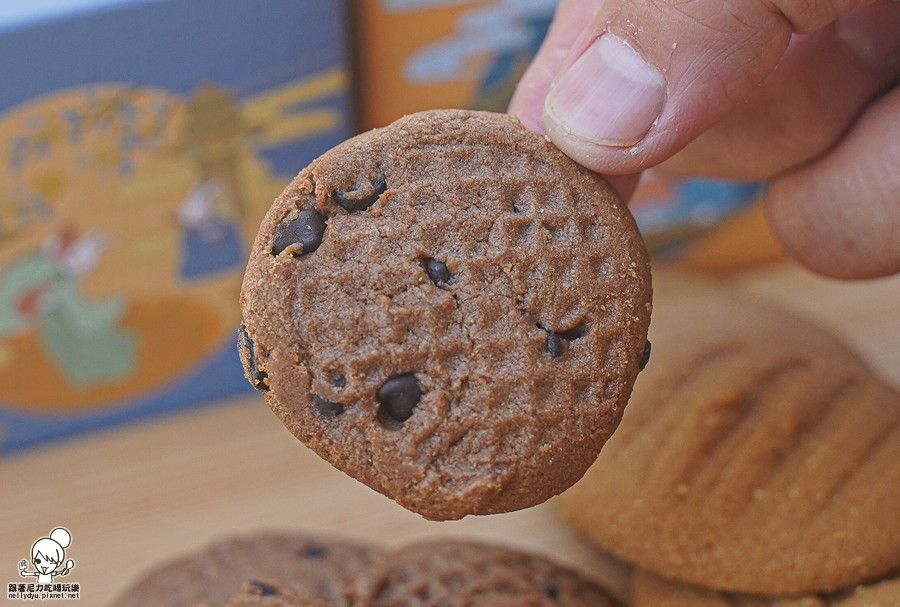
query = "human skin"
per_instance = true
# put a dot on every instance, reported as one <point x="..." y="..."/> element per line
<point x="802" y="93"/>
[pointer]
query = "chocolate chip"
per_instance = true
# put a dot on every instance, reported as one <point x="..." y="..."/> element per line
<point x="306" y="231"/>
<point x="645" y="356"/>
<point x="263" y="589"/>
<point x="326" y="407"/>
<point x="556" y="340"/>
<point x="399" y="396"/>
<point x="314" y="551"/>
<point x="259" y="379"/>
<point x="549" y="589"/>
<point x="437" y="271"/>
<point x="360" y="204"/>
<point x="554" y="344"/>
<point x="339" y="381"/>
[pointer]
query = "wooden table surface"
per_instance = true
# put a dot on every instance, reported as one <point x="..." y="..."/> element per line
<point x="138" y="494"/>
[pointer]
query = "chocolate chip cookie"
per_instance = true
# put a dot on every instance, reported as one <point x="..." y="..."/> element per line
<point x="257" y="593"/>
<point x="307" y="566"/>
<point x="450" y="310"/>
<point x="758" y="455"/>
<point x="453" y="573"/>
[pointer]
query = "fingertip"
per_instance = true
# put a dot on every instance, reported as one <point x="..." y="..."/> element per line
<point x="584" y="152"/>
<point x="839" y="216"/>
<point x="610" y="95"/>
<point x="528" y="99"/>
<point x="568" y="23"/>
<point x="826" y="245"/>
<point x="526" y="104"/>
<point x="600" y="158"/>
<point x="625" y="185"/>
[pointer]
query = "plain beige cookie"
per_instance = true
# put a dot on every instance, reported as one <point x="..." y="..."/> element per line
<point x="758" y="455"/>
<point x="649" y="590"/>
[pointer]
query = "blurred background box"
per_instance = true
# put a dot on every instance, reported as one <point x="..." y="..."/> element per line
<point x="707" y="225"/>
<point x="141" y="141"/>
<point x="414" y="55"/>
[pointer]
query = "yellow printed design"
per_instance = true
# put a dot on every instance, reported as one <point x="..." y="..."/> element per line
<point x="125" y="216"/>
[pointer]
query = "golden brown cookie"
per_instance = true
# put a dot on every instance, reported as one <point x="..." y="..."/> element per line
<point x="641" y="588"/>
<point x="309" y="566"/>
<point x="882" y="594"/>
<point x="451" y="573"/>
<point x="649" y="590"/>
<point x="450" y="310"/>
<point x="758" y="455"/>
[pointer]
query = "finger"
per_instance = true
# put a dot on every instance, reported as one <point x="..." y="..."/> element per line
<point x="841" y="215"/>
<point x="570" y="19"/>
<point x="648" y="76"/>
<point x="568" y="23"/>
<point x="822" y="84"/>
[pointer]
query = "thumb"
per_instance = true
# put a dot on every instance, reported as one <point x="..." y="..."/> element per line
<point x="648" y="76"/>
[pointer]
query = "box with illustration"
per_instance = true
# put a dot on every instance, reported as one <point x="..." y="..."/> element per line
<point x="141" y="141"/>
<point x="443" y="53"/>
<point x="472" y="53"/>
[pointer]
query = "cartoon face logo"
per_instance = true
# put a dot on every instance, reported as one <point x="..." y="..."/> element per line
<point x="47" y="556"/>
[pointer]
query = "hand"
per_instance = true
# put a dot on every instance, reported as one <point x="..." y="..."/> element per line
<point x="694" y="83"/>
<point x="23" y="565"/>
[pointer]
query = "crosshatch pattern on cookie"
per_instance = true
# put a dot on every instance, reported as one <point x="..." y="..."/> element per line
<point x="508" y="285"/>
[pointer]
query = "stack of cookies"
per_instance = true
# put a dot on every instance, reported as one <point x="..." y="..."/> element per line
<point x="297" y="570"/>
<point x="758" y="463"/>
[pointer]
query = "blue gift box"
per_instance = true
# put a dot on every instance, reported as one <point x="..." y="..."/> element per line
<point x="141" y="142"/>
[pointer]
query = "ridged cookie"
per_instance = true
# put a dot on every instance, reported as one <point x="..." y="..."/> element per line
<point x="758" y="455"/>
<point x="451" y="573"/>
<point x="649" y="590"/>
<point x="882" y="594"/>
<point x="314" y="567"/>
<point x="450" y="310"/>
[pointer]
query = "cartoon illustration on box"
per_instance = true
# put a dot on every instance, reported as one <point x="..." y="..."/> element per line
<point x="41" y="291"/>
<point x="126" y="213"/>
<point x="704" y="224"/>
<point x="210" y="242"/>
<point x="492" y="43"/>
